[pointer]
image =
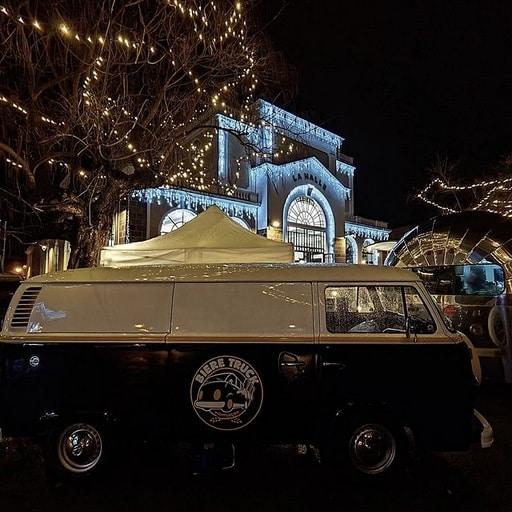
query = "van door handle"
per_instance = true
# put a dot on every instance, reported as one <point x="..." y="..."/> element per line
<point x="289" y="360"/>
<point x="333" y="364"/>
<point x="292" y="363"/>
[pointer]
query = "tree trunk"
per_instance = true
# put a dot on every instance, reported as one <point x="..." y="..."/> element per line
<point x="86" y="249"/>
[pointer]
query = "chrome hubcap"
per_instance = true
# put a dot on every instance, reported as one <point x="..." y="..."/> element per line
<point x="80" y="448"/>
<point x="372" y="449"/>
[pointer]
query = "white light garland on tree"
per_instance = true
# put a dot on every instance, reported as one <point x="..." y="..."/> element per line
<point x="102" y="97"/>
<point x="494" y="196"/>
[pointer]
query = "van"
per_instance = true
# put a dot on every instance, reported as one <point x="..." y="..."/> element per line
<point x="354" y="360"/>
<point x="473" y="297"/>
<point x="465" y="259"/>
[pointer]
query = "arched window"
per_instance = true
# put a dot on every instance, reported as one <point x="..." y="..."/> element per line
<point x="306" y="229"/>
<point x="175" y="219"/>
<point x="369" y="256"/>
<point x="351" y="250"/>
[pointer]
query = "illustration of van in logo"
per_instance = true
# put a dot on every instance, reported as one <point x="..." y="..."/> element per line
<point x="223" y="393"/>
<point x="226" y="393"/>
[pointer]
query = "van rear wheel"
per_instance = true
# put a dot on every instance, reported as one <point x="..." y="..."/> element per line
<point x="75" y="450"/>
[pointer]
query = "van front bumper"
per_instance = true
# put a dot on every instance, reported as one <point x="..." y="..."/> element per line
<point x="482" y="429"/>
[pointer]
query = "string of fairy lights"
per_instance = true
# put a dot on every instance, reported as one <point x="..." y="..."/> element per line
<point x="191" y="168"/>
<point x="492" y="195"/>
<point x="495" y="195"/>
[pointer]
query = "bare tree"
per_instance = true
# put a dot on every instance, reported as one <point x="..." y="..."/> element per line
<point x="100" y="98"/>
<point x="449" y="193"/>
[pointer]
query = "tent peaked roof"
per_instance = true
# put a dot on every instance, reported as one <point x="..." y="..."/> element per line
<point x="211" y="237"/>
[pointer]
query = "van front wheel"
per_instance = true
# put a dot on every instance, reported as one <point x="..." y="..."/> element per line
<point x="75" y="450"/>
<point x="371" y="448"/>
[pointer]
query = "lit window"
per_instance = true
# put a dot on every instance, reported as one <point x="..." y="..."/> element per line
<point x="175" y="219"/>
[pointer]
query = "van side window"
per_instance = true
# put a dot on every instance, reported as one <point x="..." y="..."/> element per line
<point x="364" y="309"/>
<point x="376" y="309"/>
<point x="84" y="307"/>
<point x="421" y="320"/>
<point x="340" y="308"/>
<point x="239" y="310"/>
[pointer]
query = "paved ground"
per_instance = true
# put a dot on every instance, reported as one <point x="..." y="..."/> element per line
<point x="278" y="479"/>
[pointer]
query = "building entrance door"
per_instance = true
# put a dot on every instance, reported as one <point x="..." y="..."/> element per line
<point x="306" y="230"/>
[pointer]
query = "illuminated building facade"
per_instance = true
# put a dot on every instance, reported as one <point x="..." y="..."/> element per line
<point x="295" y="185"/>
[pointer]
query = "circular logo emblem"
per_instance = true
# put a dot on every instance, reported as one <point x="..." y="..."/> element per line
<point x="226" y="393"/>
<point x="33" y="361"/>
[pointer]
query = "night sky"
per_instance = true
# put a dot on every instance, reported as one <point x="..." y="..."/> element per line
<point x="402" y="82"/>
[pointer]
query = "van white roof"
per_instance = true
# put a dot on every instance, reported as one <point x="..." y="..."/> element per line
<point x="231" y="272"/>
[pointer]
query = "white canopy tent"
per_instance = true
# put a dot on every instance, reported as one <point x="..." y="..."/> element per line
<point x="211" y="237"/>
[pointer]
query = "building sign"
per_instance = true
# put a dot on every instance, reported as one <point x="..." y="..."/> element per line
<point x="307" y="176"/>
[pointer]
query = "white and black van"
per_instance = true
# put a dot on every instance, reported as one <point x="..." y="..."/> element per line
<point x="355" y="360"/>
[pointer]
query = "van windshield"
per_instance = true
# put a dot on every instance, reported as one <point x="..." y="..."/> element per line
<point x="469" y="279"/>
